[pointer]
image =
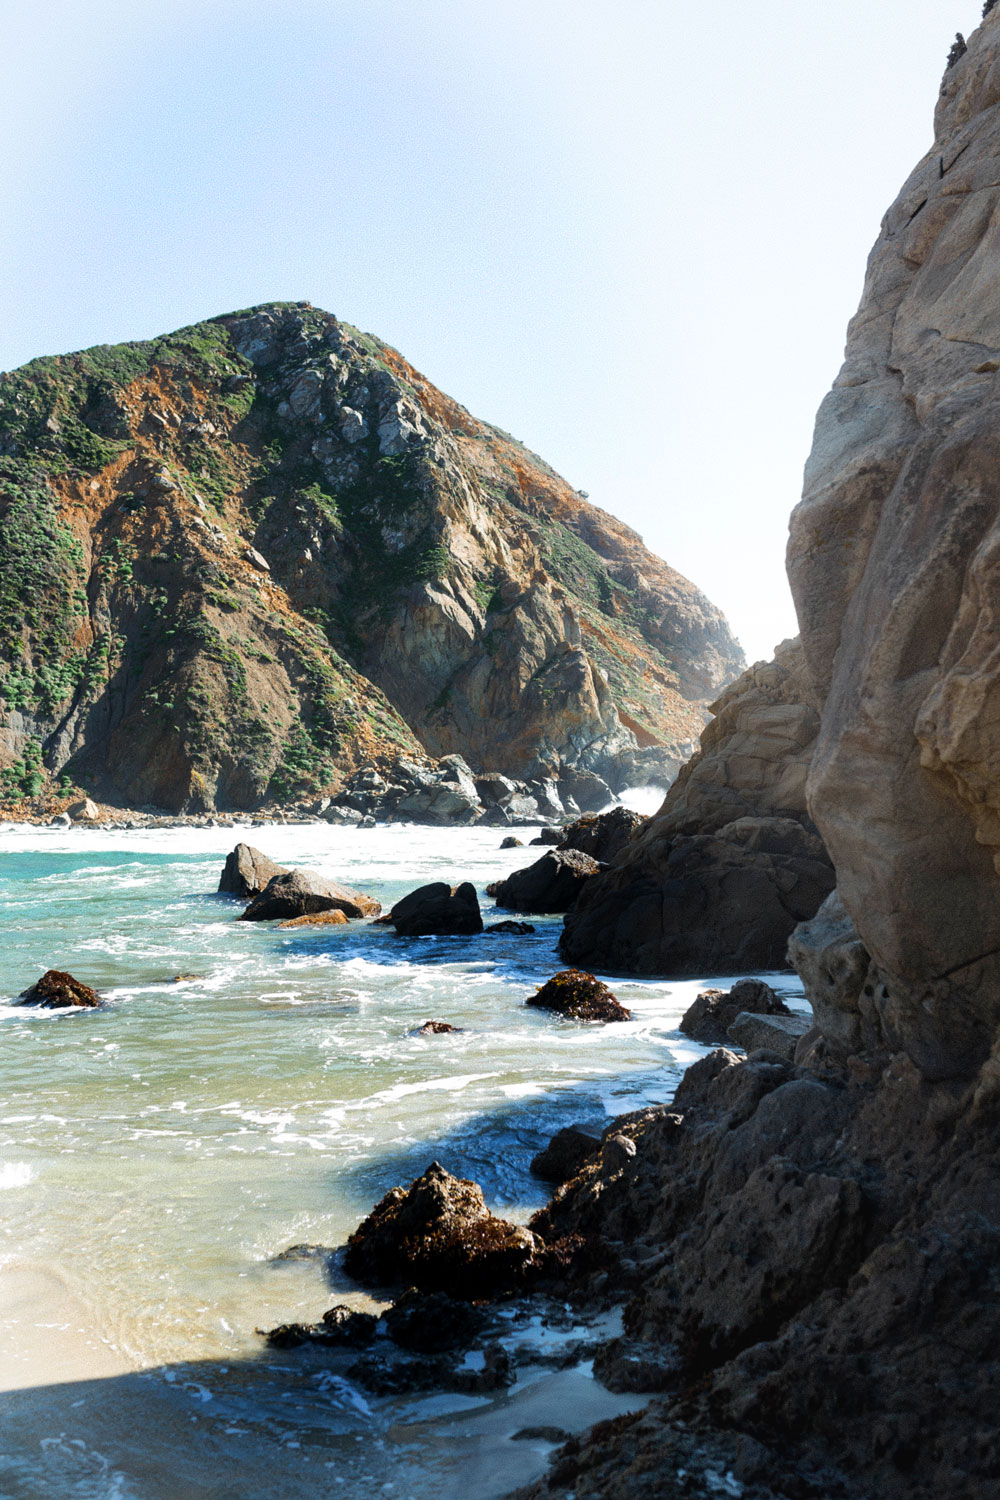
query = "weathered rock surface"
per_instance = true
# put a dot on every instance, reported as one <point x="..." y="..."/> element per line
<point x="56" y="988"/>
<point x="340" y="1328"/>
<point x="432" y="1322"/>
<point x="334" y="918"/>
<point x="438" y="1235"/>
<point x="816" y="1240"/>
<point x="603" y="835"/>
<point x="579" y="996"/>
<point x="893" y="563"/>
<point x="247" y="871"/>
<point x="721" y="875"/>
<point x="303" y="559"/>
<point x="438" y="910"/>
<point x="301" y="893"/>
<point x="551" y="884"/>
<point x="769" y="1033"/>
<point x="436" y="1028"/>
<point x="565" y="1154"/>
<point x="708" y="1020"/>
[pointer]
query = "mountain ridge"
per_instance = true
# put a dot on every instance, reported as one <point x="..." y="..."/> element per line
<point x="263" y="551"/>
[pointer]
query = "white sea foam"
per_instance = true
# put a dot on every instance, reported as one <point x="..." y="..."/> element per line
<point x="15" y="1174"/>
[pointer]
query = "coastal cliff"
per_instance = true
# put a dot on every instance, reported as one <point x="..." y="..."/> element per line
<point x="242" y="561"/>
<point x="719" y="877"/>
<point x="811" y="1246"/>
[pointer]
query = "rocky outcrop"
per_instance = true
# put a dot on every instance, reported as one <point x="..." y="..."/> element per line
<point x="438" y="910"/>
<point x="56" y="989"/>
<point x="567" y="1151"/>
<point x="762" y="1031"/>
<point x="580" y="997"/>
<point x="264" y="553"/>
<point x="721" y="875"/>
<point x="247" y="871"/>
<point x="815" y="1238"/>
<point x="438" y="1235"/>
<point x="892" y="560"/>
<point x="301" y="893"/>
<point x="551" y="884"/>
<point x="339" y="1328"/>
<point x="603" y="835"/>
<point x="709" y="1018"/>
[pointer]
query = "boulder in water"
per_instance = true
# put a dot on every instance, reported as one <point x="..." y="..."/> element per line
<point x="341" y="1328"/>
<point x="438" y="1235"/>
<point x="438" y="910"/>
<point x="551" y="884"/>
<point x="56" y="989"/>
<point x="335" y="918"/>
<point x="247" y="871"/>
<point x="432" y="1322"/>
<point x="565" y="1154"/>
<point x="300" y="893"/>
<point x="579" y="996"/>
<point x="603" y="835"/>
<point x="708" y="1020"/>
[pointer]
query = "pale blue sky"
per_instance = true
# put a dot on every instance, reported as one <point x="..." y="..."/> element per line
<point x="631" y="233"/>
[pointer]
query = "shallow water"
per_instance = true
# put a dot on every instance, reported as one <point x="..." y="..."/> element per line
<point x="157" y="1154"/>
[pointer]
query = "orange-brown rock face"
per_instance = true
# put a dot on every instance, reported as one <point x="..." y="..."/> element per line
<point x="240" y="561"/>
<point x="894" y="559"/>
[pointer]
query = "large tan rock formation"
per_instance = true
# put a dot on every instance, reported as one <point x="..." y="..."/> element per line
<point x="894" y="560"/>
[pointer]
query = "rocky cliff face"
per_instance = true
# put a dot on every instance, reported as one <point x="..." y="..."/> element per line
<point x="722" y="873"/>
<point x="893" y="560"/>
<point x="241" y="561"/>
<point x="812" y="1247"/>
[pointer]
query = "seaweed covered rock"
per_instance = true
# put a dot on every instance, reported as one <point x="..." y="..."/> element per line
<point x="300" y="893"/>
<point x="56" y="989"/>
<point x="438" y="910"/>
<point x="247" y="871"/>
<point x="438" y="1235"/>
<point x="579" y="996"/>
<point x="551" y="884"/>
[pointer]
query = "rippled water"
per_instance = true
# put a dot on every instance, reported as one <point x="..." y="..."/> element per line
<point x="155" y="1155"/>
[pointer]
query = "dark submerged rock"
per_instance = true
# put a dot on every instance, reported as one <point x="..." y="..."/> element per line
<point x="436" y="1028"/>
<point x="567" y="1152"/>
<point x="341" y="1328"/>
<point x="580" y="996"/>
<point x="56" y="988"/>
<point x="438" y="910"/>
<point x="513" y="929"/>
<point x="432" y="1322"/>
<point x="551" y="884"/>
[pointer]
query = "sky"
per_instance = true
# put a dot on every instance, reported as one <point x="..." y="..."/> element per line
<point x="629" y="232"/>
